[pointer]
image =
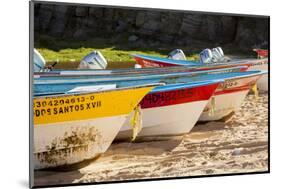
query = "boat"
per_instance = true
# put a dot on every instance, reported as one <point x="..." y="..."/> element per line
<point x="70" y="128"/>
<point x="229" y="96"/>
<point x="147" y="61"/>
<point x="172" y="109"/>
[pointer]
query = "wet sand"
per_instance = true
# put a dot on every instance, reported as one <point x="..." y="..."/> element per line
<point x="239" y="144"/>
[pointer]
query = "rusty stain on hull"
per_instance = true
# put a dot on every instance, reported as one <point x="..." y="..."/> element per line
<point x="77" y="143"/>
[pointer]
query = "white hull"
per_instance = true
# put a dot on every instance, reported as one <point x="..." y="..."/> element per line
<point x="262" y="83"/>
<point x="224" y="105"/>
<point x="71" y="142"/>
<point x="167" y="120"/>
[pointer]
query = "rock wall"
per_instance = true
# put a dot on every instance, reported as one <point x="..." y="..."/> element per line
<point x="81" y="22"/>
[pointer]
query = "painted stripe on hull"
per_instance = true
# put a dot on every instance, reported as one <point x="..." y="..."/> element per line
<point x="71" y="142"/>
<point x="152" y="64"/>
<point x="166" y="120"/>
<point x="173" y="97"/>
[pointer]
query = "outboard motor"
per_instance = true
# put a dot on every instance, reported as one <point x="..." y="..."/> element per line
<point x="94" y="60"/>
<point x="215" y="55"/>
<point x="177" y="54"/>
<point x="218" y="55"/>
<point x="206" y="56"/>
<point x="38" y="61"/>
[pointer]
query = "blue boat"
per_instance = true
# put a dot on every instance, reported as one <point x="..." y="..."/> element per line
<point x="147" y="61"/>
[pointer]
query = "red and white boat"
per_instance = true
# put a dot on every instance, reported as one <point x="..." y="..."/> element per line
<point x="229" y="96"/>
<point x="172" y="110"/>
<point x="146" y="61"/>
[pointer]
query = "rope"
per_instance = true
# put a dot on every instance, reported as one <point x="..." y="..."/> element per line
<point x="213" y="107"/>
<point x="136" y="122"/>
<point x="256" y="91"/>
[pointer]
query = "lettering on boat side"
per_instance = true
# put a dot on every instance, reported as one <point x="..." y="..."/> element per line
<point x="260" y="63"/>
<point x="151" y="64"/>
<point x="166" y="98"/>
<point x="60" y="102"/>
<point x="229" y="84"/>
<point x="49" y="107"/>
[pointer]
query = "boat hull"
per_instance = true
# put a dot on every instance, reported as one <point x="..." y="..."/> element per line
<point x="154" y="62"/>
<point x="71" y="128"/>
<point x="263" y="81"/>
<point x="228" y="98"/>
<point x="72" y="142"/>
<point x="166" y="121"/>
<point x="224" y="105"/>
<point x="164" y="117"/>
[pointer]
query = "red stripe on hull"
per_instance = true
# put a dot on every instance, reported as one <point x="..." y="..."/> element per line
<point x="235" y="85"/>
<point x="232" y="90"/>
<point x="178" y="96"/>
<point x="152" y="64"/>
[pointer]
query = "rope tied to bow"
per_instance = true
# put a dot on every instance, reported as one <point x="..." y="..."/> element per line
<point x="136" y="122"/>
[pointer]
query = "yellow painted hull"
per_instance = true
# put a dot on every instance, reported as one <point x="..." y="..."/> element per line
<point x="72" y="128"/>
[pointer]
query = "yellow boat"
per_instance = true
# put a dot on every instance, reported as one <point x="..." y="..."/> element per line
<point x="70" y="128"/>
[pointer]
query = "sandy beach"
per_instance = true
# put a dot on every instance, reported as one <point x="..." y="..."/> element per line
<point x="239" y="144"/>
